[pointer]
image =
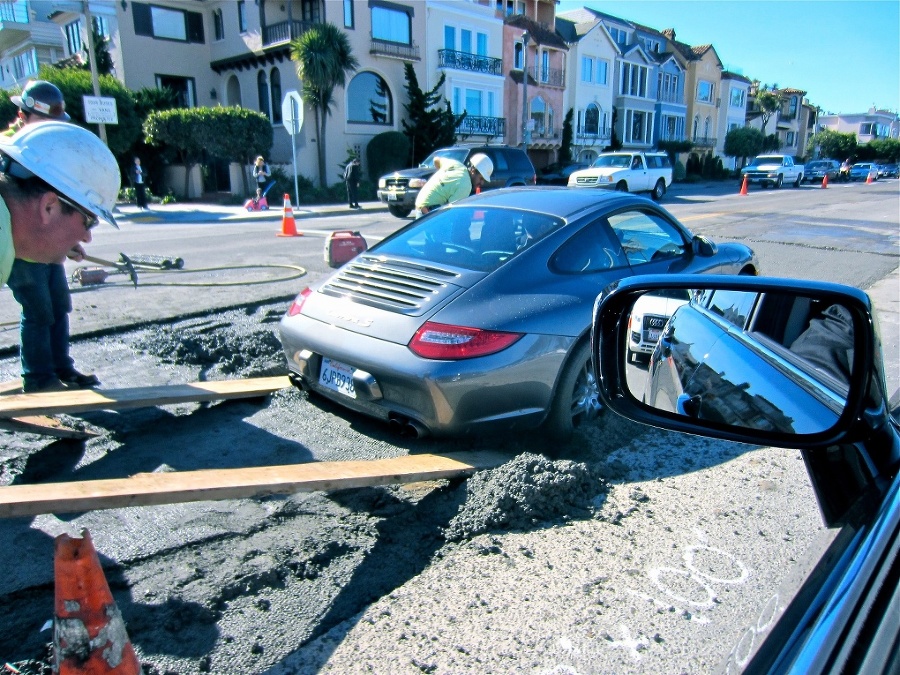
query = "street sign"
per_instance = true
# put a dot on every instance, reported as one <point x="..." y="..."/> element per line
<point x="100" y="110"/>
<point x="292" y="112"/>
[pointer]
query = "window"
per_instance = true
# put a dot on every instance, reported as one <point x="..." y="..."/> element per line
<point x="638" y="126"/>
<point x="634" y="80"/>
<point x="262" y="88"/>
<point x="545" y="66"/>
<point x="465" y="41"/>
<point x="790" y="138"/>
<point x="510" y="7"/>
<point x="590" y="250"/>
<point x="793" y="107"/>
<point x="348" y="13"/>
<point x="242" y="16"/>
<point x="593" y="70"/>
<point x="392" y="24"/>
<point x="518" y="53"/>
<point x="592" y="120"/>
<point x="218" y="25"/>
<point x="619" y="36"/>
<point x="737" y="97"/>
<point x="602" y="70"/>
<point x="275" y="85"/>
<point x="184" y="87"/>
<point x="705" y="91"/>
<point x="867" y="129"/>
<point x="369" y="100"/>
<point x="25" y="64"/>
<point x="537" y="115"/>
<point x="164" y="23"/>
<point x="73" y="37"/>
<point x="450" y="37"/>
<point x="481" y="44"/>
<point x="733" y="306"/>
<point x="101" y="26"/>
<point x="646" y="237"/>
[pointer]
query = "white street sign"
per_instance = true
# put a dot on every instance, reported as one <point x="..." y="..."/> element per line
<point x="100" y="110"/>
<point x="292" y="112"/>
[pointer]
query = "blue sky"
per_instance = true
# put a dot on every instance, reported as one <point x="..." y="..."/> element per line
<point x="844" y="53"/>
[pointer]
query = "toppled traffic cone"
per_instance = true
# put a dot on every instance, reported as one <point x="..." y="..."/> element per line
<point x="825" y="181"/>
<point x="288" y="226"/>
<point x="89" y="635"/>
<point x="744" y="185"/>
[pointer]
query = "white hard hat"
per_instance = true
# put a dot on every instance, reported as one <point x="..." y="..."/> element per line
<point x="482" y="164"/>
<point x="71" y="160"/>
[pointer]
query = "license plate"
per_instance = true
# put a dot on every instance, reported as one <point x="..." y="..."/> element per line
<point x="337" y="376"/>
<point x="652" y="336"/>
<point x="392" y="196"/>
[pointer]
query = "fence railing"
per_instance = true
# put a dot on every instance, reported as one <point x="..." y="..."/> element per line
<point x="482" y="126"/>
<point x="449" y="58"/>
<point x="401" y="51"/>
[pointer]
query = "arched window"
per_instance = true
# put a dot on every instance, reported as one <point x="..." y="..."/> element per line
<point x="233" y="92"/>
<point x="369" y="100"/>
<point x="592" y="120"/>
<point x="275" y="82"/>
<point x="696" y="133"/>
<point x="707" y="128"/>
<point x="263" y="88"/>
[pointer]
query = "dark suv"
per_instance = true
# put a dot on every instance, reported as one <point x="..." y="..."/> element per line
<point x="399" y="189"/>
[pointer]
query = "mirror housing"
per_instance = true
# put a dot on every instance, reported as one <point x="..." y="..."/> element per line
<point x="611" y="332"/>
<point x="703" y="247"/>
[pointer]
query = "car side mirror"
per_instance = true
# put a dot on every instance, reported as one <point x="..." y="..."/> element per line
<point x="767" y="361"/>
<point x="703" y="247"/>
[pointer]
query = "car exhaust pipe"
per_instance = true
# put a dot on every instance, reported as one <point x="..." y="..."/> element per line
<point x="297" y="381"/>
<point x="405" y="427"/>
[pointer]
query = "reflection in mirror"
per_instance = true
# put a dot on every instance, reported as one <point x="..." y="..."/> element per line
<point x="769" y="361"/>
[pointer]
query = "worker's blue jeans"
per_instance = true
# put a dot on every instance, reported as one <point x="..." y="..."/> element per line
<point x="43" y="293"/>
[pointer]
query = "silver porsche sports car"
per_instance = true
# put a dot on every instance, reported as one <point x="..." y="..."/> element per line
<point x="476" y="318"/>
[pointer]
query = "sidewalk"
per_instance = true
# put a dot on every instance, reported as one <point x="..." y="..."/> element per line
<point x="195" y="212"/>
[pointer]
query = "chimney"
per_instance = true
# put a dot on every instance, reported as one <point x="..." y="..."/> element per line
<point x="669" y="33"/>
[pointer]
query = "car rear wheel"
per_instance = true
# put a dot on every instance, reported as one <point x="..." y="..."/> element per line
<point x="400" y="211"/>
<point x="577" y="400"/>
<point x="659" y="190"/>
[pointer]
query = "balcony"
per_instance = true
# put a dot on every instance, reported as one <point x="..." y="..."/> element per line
<point x="584" y="137"/>
<point x="284" y="32"/>
<point x="670" y="97"/>
<point x="396" y="50"/>
<point x="551" y="77"/>
<point x="448" y="58"/>
<point x="482" y="126"/>
<point x="14" y="25"/>
<point x="704" y="141"/>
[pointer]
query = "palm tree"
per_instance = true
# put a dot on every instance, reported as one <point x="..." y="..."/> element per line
<point x="324" y="59"/>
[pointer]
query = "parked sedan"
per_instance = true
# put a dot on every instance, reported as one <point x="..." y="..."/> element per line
<point x="476" y="317"/>
<point x="891" y="171"/>
<point x="557" y="174"/>
<point x="863" y="170"/>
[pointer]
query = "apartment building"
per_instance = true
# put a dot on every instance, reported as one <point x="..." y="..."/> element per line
<point x="28" y="40"/>
<point x="868" y="126"/>
<point x="734" y="90"/>
<point x="590" y="80"/>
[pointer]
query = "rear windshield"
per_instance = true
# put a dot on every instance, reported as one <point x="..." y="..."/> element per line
<point x="476" y="239"/>
<point x="459" y="154"/>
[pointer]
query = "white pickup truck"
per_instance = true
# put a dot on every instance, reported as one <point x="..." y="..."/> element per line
<point x="774" y="170"/>
<point x="627" y="172"/>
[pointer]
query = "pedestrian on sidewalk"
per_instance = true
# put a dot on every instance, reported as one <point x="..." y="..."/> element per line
<point x="351" y="177"/>
<point x="261" y="173"/>
<point x="46" y="213"/>
<point x="140" y="188"/>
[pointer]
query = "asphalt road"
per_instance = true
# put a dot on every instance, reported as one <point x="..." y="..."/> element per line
<point x="675" y="560"/>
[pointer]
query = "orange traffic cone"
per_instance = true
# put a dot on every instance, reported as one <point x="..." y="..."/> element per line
<point x="869" y="179"/>
<point x="825" y="181"/>
<point x="89" y="635"/>
<point x="288" y="226"/>
<point x="744" y="185"/>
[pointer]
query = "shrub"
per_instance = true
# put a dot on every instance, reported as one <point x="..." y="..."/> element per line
<point x="678" y="171"/>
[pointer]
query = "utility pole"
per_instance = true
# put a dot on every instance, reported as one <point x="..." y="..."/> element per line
<point x="525" y="37"/>
<point x="92" y="60"/>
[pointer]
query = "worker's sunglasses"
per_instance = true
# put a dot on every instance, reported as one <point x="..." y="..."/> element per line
<point x="90" y="220"/>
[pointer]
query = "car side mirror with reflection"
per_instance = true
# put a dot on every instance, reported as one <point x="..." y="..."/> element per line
<point x="773" y="361"/>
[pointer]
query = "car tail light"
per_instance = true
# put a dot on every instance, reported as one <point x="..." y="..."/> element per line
<point x="440" y="341"/>
<point x="297" y="304"/>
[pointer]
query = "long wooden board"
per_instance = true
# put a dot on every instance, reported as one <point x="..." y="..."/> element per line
<point x="148" y="489"/>
<point x="44" y="425"/>
<point x="85" y="400"/>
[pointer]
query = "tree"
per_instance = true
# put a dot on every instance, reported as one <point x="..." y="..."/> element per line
<point x="101" y="53"/>
<point x="833" y="144"/>
<point x="387" y="152"/>
<point x="428" y="126"/>
<point x="75" y="84"/>
<point x="743" y="142"/>
<point x="565" y="150"/>
<point x="769" y="101"/>
<point x="191" y="135"/>
<point x="324" y="59"/>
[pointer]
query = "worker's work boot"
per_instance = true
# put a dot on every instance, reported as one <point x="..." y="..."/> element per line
<point x="76" y="380"/>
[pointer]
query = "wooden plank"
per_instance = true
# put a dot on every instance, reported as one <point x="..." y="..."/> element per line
<point x="47" y="426"/>
<point x="11" y="387"/>
<point x="86" y="400"/>
<point x="148" y="489"/>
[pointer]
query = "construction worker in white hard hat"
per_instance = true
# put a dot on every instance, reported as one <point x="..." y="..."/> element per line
<point x="453" y="181"/>
<point x="57" y="180"/>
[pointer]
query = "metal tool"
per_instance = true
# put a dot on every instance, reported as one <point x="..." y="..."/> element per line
<point x="123" y="266"/>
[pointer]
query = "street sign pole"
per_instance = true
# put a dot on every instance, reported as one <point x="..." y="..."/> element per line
<point x="295" y="128"/>
<point x="292" y="119"/>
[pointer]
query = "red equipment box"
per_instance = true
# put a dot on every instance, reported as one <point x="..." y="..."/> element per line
<point x="343" y="245"/>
